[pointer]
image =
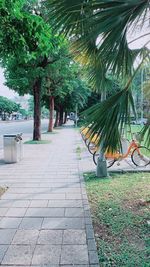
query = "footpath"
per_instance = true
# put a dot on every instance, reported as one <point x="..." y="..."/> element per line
<point x="44" y="214"/>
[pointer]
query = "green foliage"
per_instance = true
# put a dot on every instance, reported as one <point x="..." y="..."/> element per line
<point x="8" y="106"/>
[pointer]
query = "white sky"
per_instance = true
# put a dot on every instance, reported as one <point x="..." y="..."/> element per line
<point x="4" y="90"/>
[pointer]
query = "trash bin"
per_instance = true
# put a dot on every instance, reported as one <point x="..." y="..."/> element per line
<point x="12" y="148"/>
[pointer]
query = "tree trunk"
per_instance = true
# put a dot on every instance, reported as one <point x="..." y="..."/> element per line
<point x="61" y="119"/>
<point x="56" y="124"/>
<point x="65" y="117"/>
<point x="37" y="110"/>
<point x="51" y="113"/>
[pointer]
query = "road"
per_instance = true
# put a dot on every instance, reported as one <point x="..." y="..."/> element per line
<point x="25" y="127"/>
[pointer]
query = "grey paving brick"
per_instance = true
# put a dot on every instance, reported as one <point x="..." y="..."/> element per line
<point x="19" y="255"/>
<point x="63" y="223"/>
<point x="48" y="196"/>
<point x="39" y="203"/>
<point x="91" y="244"/>
<point x="21" y="204"/>
<point x="16" y="212"/>
<point x="65" y="203"/>
<point x="74" y="254"/>
<point x="53" y="237"/>
<point x="46" y="254"/>
<point x="9" y="223"/>
<point x="74" y="237"/>
<point x="45" y="212"/>
<point x="6" y="236"/>
<point x="74" y="212"/>
<point x="31" y="223"/>
<point x="3" y="249"/>
<point x="25" y="237"/>
<point x="5" y="203"/>
<point x="93" y="257"/>
<point x="3" y="211"/>
<point x="73" y="196"/>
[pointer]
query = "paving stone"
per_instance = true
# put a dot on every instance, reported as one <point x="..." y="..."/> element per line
<point x="21" y="204"/>
<point x="45" y="212"/>
<point x="16" y="212"/>
<point x="31" y="223"/>
<point x="63" y="223"/>
<point x="5" y="203"/>
<point x="6" y="236"/>
<point x="74" y="237"/>
<point x="19" y="255"/>
<point x="46" y="254"/>
<point x="3" y="249"/>
<point x="93" y="257"/>
<point x="3" y="211"/>
<point x="65" y="203"/>
<point x="53" y="237"/>
<point x="74" y="254"/>
<point x="9" y="223"/>
<point x="39" y="203"/>
<point x="91" y="244"/>
<point x="25" y="237"/>
<point x="74" y="212"/>
<point x="73" y="196"/>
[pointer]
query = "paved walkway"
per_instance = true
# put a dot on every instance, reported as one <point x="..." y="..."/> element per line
<point x="44" y="214"/>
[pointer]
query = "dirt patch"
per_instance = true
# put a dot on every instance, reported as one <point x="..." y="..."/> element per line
<point x="137" y="206"/>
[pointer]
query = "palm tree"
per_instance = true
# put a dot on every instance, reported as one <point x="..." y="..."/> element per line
<point x="102" y="32"/>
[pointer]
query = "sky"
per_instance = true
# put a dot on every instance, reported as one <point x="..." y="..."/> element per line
<point x="4" y="90"/>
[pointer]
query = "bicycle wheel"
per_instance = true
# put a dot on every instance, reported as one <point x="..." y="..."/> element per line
<point x="92" y="147"/>
<point x="141" y="156"/>
<point x="110" y="162"/>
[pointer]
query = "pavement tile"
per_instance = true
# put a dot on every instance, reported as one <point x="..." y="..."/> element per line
<point x="6" y="236"/>
<point x="74" y="212"/>
<point x="45" y="212"/>
<point x="16" y="212"/>
<point x="39" y="203"/>
<point x="3" y="211"/>
<point x="19" y="255"/>
<point x="5" y="203"/>
<point x="63" y="223"/>
<point x="25" y="237"/>
<point x="21" y="204"/>
<point x="73" y="196"/>
<point x="3" y="249"/>
<point x="31" y="223"/>
<point x="46" y="254"/>
<point x="74" y="237"/>
<point x="9" y="223"/>
<point x="93" y="257"/>
<point x="65" y="203"/>
<point x="74" y="254"/>
<point x="53" y="237"/>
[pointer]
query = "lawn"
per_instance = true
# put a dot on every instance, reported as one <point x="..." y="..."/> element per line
<point x="121" y="218"/>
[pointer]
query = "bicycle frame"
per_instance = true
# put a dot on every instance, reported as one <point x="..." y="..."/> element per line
<point x="119" y="156"/>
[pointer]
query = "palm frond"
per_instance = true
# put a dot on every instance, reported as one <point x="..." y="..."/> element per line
<point x="108" y="118"/>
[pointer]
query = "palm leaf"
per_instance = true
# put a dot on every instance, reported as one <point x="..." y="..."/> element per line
<point x="108" y="118"/>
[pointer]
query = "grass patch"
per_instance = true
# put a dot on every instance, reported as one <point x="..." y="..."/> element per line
<point x="50" y="132"/>
<point x="120" y="210"/>
<point x="32" y="142"/>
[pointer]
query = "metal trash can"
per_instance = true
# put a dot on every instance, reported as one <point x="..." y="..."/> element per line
<point x="12" y="148"/>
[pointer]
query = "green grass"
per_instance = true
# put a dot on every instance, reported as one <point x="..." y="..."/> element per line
<point x="54" y="132"/>
<point x="32" y="142"/>
<point x="120" y="210"/>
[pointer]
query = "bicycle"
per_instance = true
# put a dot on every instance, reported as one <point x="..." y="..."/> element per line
<point x="140" y="155"/>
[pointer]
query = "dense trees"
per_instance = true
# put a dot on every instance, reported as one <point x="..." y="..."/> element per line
<point x="7" y="107"/>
